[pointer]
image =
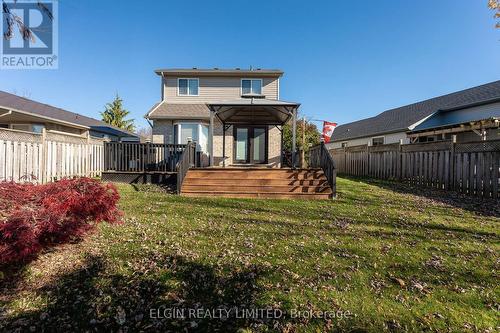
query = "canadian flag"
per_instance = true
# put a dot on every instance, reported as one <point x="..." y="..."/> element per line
<point x="328" y="129"/>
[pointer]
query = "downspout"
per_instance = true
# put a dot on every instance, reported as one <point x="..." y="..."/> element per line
<point x="151" y="138"/>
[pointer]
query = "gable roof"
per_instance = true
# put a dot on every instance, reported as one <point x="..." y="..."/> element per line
<point x="18" y="103"/>
<point x="405" y="117"/>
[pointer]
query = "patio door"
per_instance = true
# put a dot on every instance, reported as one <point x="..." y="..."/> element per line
<point x="250" y="144"/>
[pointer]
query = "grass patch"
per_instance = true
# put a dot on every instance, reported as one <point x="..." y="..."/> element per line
<point x="387" y="259"/>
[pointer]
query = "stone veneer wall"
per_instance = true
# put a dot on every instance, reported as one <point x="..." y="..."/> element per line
<point x="163" y="131"/>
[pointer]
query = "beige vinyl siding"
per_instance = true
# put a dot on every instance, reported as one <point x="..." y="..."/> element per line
<point x="212" y="89"/>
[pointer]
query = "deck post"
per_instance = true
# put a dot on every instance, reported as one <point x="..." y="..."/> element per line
<point x="282" y="159"/>
<point x="294" y="135"/>
<point x="211" y="139"/>
<point x="223" y="145"/>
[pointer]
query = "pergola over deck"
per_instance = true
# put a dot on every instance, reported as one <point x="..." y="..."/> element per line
<point x="252" y="110"/>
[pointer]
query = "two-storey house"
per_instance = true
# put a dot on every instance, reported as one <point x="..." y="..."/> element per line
<point x="234" y="115"/>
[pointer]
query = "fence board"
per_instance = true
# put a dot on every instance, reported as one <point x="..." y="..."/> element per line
<point x="472" y="168"/>
<point x="33" y="157"/>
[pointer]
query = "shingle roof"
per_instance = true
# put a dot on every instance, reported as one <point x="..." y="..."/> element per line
<point x="12" y="101"/>
<point x="402" y="118"/>
<point x="165" y="110"/>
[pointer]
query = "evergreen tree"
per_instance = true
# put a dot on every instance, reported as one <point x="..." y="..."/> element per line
<point x="115" y="114"/>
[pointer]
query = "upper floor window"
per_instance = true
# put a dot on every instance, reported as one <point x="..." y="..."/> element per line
<point x="251" y="86"/>
<point x="378" y="141"/>
<point x="188" y="87"/>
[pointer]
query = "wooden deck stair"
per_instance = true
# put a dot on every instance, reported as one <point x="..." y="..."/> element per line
<point x="256" y="183"/>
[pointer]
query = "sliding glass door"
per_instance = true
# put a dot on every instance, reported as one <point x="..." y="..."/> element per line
<point x="259" y="145"/>
<point x="250" y="144"/>
<point x="241" y="145"/>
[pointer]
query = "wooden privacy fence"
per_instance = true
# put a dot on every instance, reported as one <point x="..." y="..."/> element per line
<point x="48" y="156"/>
<point x="141" y="157"/>
<point x="472" y="168"/>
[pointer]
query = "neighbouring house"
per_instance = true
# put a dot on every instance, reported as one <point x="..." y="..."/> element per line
<point x="470" y="114"/>
<point x="234" y="115"/>
<point x="19" y="113"/>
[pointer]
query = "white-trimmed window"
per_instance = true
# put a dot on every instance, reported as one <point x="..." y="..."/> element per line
<point x="192" y="131"/>
<point x="37" y="128"/>
<point x="378" y="141"/>
<point x="188" y="86"/>
<point x="251" y="86"/>
<point x="21" y="127"/>
<point x="343" y="144"/>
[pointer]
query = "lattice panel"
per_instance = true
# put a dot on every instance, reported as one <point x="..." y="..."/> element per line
<point x="13" y="135"/>
<point x="65" y="138"/>
<point x="478" y="146"/>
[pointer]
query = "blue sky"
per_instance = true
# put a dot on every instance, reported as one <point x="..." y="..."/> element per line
<point x="343" y="60"/>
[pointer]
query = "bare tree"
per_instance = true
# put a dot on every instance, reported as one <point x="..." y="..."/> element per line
<point x="145" y="132"/>
<point x="495" y="6"/>
<point x="14" y="20"/>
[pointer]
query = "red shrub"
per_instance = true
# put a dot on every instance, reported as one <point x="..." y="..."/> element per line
<point x="35" y="216"/>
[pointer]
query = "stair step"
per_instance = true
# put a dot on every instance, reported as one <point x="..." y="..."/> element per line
<point x="256" y="183"/>
<point x="246" y="169"/>
<point x="187" y="187"/>
<point x="253" y="175"/>
<point x="270" y="195"/>
<point x="252" y="181"/>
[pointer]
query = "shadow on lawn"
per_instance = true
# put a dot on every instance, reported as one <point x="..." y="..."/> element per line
<point x="157" y="188"/>
<point x="478" y="205"/>
<point x="91" y="298"/>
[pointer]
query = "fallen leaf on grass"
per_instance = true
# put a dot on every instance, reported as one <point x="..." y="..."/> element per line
<point x="401" y="283"/>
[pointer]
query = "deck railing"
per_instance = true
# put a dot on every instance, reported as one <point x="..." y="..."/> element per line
<point x="187" y="161"/>
<point x="319" y="157"/>
<point x="141" y="157"/>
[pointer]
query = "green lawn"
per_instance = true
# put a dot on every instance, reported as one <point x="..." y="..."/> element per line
<point x="376" y="258"/>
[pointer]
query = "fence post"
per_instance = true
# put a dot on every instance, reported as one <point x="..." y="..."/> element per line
<point x="368" y="161"/>
<point x="334" y="180"/>
<point x="453" y="162"/>
<point x="400" y="160"/>
<point x="88" y="149"/>
<point x="43" y="162"/>
<point x="148" y="156"/>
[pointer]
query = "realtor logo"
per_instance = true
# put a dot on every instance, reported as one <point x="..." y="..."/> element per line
<point x="29" y="35"/>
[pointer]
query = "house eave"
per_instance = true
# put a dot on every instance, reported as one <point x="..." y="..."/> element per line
<point x="485" y="123"/>
<point x="274" y="73"/>
<point x="54" y="120"/>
